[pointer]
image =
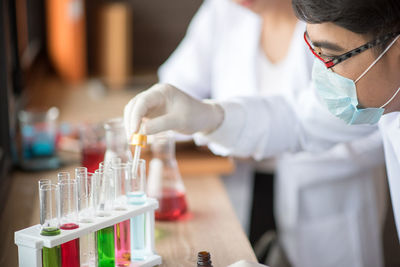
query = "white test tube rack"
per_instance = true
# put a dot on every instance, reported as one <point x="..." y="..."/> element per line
<point x="30" y="242"/>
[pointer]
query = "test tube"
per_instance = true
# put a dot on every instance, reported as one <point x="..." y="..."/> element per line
<point x="49" y="221"/>
<point x="85" y="183"/>
<point x="70" y="252"/>
<point x="138" y="141"/>
<point x="103" y="203"/>
<point x="63" y="176"/>
<point x="49" y="209"/>
<point x="137" y="196"/>
<point x="102" y="193"/>
<point x="121" y="173"/>
<point x="87" y="243"/>
<point x="42" y="182"/>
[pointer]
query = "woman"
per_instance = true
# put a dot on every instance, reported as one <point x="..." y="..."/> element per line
<point x="327" y="203"/>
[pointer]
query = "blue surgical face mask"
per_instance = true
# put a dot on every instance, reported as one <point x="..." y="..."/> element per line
<point x="340" y="95"/>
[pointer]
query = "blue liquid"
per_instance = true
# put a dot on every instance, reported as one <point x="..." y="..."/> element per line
<point x="138" y="251"/>
<point x="138" y="238"/>
<point x="136" y="198"/>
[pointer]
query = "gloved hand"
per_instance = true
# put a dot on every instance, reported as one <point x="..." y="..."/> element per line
<point x="164" y="107"/>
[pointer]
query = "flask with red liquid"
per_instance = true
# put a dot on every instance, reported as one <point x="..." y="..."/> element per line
<point x="165" y="182"/>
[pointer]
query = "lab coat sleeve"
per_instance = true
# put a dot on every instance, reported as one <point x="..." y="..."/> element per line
<point x="254" y="126"/>
<point x="188" y="68"/>
<point x="262" y="127"/>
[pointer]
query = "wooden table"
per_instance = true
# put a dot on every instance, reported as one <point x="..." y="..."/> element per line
<point x="211" y="225"/>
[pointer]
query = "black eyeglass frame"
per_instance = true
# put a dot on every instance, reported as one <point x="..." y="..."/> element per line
<point x="339" y="59"/>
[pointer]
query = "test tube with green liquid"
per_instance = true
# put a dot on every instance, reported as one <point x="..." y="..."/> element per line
<point x="49" y="221"/>
<point x="105" y="247"/>
<point x="103" y="202"/>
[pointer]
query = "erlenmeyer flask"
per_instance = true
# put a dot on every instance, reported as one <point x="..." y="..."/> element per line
<point x="165" y="182"/>
<point x="116" y="142"/>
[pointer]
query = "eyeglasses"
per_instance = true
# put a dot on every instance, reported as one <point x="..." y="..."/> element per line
<point x="331" y="61"/>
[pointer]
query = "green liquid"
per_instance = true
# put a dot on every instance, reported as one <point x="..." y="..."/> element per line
<point x="50" y="231"/>
<point x="106" y="247"/>
<point x="51" y="257"/>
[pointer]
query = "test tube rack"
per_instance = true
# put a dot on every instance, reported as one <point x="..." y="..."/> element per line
<point x="30" y="242"/>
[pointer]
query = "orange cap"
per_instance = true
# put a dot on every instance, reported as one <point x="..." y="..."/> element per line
<point x="138" y="140"/>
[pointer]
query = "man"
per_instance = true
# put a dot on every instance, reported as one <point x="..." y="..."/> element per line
<point x="355" y="77"/>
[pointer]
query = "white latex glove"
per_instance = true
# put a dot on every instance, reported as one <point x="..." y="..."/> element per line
<point x="245" y="263"/>
<point x="164" y="107"/>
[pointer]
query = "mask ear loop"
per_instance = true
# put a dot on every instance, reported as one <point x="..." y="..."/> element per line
<point x="377" y="59"/>
<point x="390" y="100"/>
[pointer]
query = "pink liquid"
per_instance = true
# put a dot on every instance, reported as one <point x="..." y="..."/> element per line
<point x="92" y="156"/>
<point x="122" y="243"/>
<point x="172" y="205"/>
<point x="70" y="249"/>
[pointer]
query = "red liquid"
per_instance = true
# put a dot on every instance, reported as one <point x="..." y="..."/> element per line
<point x="70" y="249"/>
<point x="92" y="156"/>
<point x="172" y="205"/>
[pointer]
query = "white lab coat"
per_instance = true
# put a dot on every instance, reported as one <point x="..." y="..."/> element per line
<point x="390" y="129"/>
<point x="328" y="204"/>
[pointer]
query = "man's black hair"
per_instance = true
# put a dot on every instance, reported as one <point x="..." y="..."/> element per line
<point x="370" y="17"/>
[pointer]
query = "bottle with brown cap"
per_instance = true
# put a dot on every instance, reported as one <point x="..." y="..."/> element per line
<point x="204" y="259"/>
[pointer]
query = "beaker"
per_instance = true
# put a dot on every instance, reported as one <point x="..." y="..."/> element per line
<point x="38" y="139"/>
<point x="165" y="182"/>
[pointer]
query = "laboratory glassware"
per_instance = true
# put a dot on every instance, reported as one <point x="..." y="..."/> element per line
<point x="38" y="139"/>
<point x="63" y="176"/>
<point x="116" y="141"/>
<point x="121" y="173"/>
<point x="137" y="196"/>
<point x="103" y="193"/>
<point x="103" y="202"/>
<point x="165" y="182"/>
<point x="49" y="221"/>
<point x="70" y="252"/>
<point x="92" y="138"/>
<point x="87" y="243"/>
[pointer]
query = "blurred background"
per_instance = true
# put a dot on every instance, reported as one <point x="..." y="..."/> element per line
<point x="80" y="55"/>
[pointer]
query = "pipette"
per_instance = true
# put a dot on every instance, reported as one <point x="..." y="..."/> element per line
<point x="139" y="141"/>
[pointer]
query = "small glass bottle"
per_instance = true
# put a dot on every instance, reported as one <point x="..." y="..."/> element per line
<point x="204" y="259"/>
<point x="165" y="182"/>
